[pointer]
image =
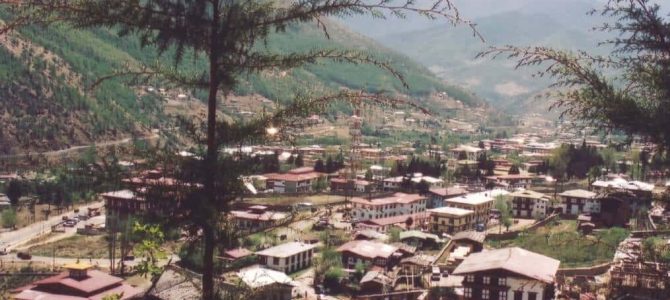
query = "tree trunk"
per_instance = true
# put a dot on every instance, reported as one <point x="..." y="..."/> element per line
<point x="211" y="159"/>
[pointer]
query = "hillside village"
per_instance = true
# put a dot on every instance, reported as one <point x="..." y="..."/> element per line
<point x="491" y="219"/>
<point x="282" y="155"/>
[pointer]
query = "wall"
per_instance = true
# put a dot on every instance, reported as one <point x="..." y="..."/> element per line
<point x="585" y="271"/>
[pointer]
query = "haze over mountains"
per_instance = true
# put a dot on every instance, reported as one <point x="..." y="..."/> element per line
<point x="450" y="52"/>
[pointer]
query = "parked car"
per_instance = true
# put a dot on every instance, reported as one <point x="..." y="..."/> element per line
<point x="24" y="255"/>
<point x="480" y="227"/>
<point x="70" y="223"/>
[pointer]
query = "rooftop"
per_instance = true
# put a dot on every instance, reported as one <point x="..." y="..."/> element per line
<point x="478" y="198"/>
<point x="257" y="276"/>
<point x="578" y="193"/>
<point x="448" y="192"/>
<point x="400" y="198"/>
<point x="620" y="183"/>
<point x="515" y="260"/>
<point x="454" y="211"/>
<point x="368" y="249"/>
<point x="529" y="194"/>
<point x="469" y="235"/>
<point x="286" y="250"/>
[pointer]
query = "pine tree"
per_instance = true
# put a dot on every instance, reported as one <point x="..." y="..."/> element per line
<point x="230" y="35"/>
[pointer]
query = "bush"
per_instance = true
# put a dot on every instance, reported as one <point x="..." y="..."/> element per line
<point x="9" y="218"/>
<point x="333" y="277"/>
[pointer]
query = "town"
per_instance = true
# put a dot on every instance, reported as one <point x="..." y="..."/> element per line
<point x="339" y="149"/>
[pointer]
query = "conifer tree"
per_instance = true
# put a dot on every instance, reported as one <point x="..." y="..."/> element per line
<point x="230" y="35"/>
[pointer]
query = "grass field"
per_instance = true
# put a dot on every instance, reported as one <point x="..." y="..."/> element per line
<point x="78" y="246"/>
<point x="562" y="241"/>
<point x="285" y="200"/>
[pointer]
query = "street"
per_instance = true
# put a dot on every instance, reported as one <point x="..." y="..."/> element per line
<point x="13" y="239"/>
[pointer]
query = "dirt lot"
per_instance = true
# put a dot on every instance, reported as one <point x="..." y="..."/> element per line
<point x="285" y="200"/>
<point x="78" y="246"/>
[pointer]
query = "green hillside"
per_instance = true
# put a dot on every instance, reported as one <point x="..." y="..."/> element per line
<point x="46" y="103"/>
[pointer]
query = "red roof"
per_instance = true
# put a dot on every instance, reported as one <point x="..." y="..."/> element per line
<point x="448" y="192"/>
<point x="96" y="285"/>
<point x="237" y="253"/>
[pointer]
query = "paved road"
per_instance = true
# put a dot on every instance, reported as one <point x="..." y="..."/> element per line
<point x="79" y="148"/>
<point x="13" y="239"/>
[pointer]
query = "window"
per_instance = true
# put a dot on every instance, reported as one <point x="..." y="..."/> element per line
<point x="485" y="294"/>
<point x="470" y="278"/>
<point x="532" y="296"/>
<point x="467" y="292"/>
<point x="518" y="295"/>
<point x="502" y="295"/>
<point x="502" y="281"/>
<point x="487" y="280"/>
<point x="275" y="260"/>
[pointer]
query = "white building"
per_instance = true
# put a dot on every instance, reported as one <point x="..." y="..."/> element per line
<point x="480" y="203"/>
<point x="288" y="257"/>
<point x="396" y="205"/>
<point x="575" y="202"/>
<point x="508" y="274"/>
<point x="529" y="204"/>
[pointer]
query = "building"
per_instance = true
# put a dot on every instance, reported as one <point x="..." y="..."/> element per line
<point x="450" y="219"/>
<point x="256" y="217"/>
<point x="420" y="239"/>
<point x="640" y="189"/>
<point x="369" y="252"/>
<point x="288" y="257"/>
<point x="395" y="183"/>
<point x="465" y="152"/>
<point x="299" y="180"/>
<point x="344" y="185"/>
<point x="511" y="182"/>
<point x="78" y="282"/>
<point x="479" y="203"/>
<point x="264" y="283"/>
<point x="397" y="204"/>
<point x="436" y="196"/>
<point x="576" y="202"/>
<point x="529" y="204"/>
<point x="375" y="282"/>
<point x="508" y="273"/>
<point x="417" y="220"/>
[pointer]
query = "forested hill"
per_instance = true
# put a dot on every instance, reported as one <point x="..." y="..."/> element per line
<point x="45" y="75"/>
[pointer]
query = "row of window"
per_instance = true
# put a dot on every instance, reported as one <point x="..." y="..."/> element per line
<point x="502" y="295"/>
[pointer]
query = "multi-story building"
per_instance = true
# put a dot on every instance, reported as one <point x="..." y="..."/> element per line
<point x="287" y="258"/>
<point x="479" y="203"/>
<point x="640" y="189"/>
<point x="575" y="202"/>
<point x="450" y="219"/>
<point x="511" y="182"/>
<point x="397" y="204"/>
<point x="256" y="217"/>
<point x="369" y="252"/>
<point x="436" y="196"/>
<point x="529" y="204"/>
<point x="466" y="152"/>
<point x="508" y="274"/>
<point x="299" y="180"/>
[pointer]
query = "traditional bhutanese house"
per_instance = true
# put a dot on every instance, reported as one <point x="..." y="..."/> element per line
<point x="417" y="264"/>
<point x="511" y="182"/>
<point x="450" y="219"/>
<point x="299" y="180"/>
<point x="256" y="217"/>
<point x="372" y="154"/>
<point x="466" y="152"/>
<point x="640" y="189"/>
<point x="418" y="220"/>
<point x="373" y="253"/>
<point x="392" y="183"/>
<point x="436" y="196"/>
<point x="578" y="201"/>
<point x="342" y="184"/>
<point x="479" y="203"/>
<point x="398" y="204"/>
<point x="288" y="257"/>
<point x="508" y="273"/>
<point x="375" y="282"/>
<point x="471" y="239"/>
<point x="233" y="255"/>
<point x="529" y="204"/>
<point x="80" y="281"/>
<point x="263" y="283"/>
<point x="420" y="239"/>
